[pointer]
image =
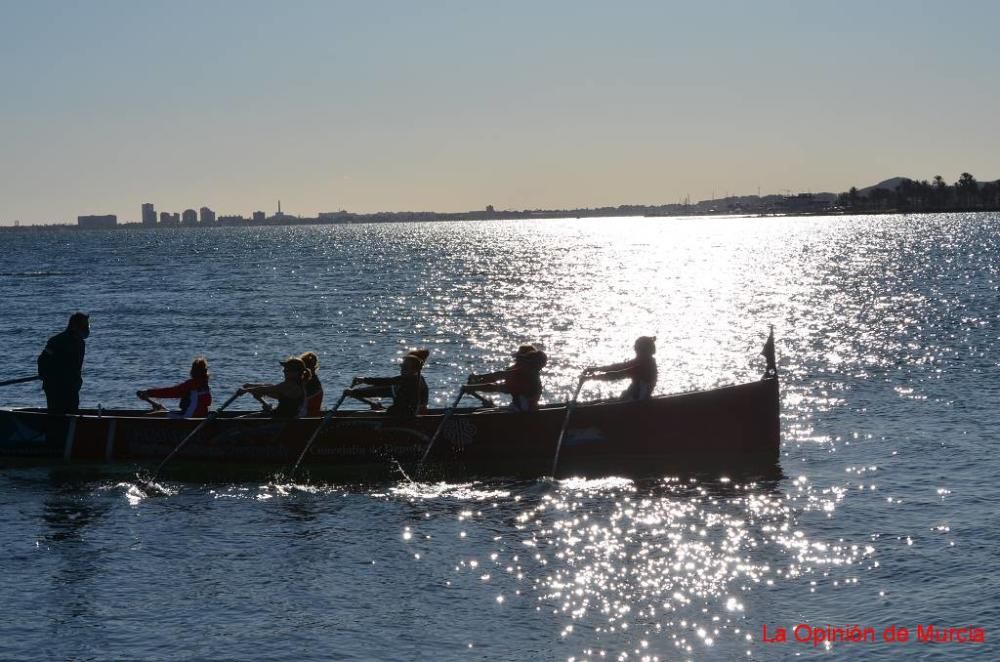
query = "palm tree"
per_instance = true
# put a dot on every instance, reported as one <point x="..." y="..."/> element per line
<point x="940" y="193"/>
<point x="967" y="190"/>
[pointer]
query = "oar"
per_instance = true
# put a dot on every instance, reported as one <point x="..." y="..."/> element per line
<point x="264" y="404"/>
<point x="20" y="380"/>
<point x="444" y="419"/>
<point x="152" y="403"/>
<point x="208" y="419"/>
<point x="486" y="401"/>
<point x="376" y="406"/>
<point x="319" y="428"/>
<point x="569" y="410"/>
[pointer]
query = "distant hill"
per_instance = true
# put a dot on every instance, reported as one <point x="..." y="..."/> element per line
<point x="891" y="184"/>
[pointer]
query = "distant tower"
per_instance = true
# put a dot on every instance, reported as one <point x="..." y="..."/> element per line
<point x="279" y="208"/>
<point x="148" y="214"/>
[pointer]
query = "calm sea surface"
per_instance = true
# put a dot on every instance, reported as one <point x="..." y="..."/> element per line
<point x="888" y="338"/>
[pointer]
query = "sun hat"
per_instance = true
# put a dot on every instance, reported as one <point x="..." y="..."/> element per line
<point x="293" y="362"/>
<point x="418" y="355"/>
<point x="530" y="355"/>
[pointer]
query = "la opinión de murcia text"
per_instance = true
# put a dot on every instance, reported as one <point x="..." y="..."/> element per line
<point x="803" y="633"/>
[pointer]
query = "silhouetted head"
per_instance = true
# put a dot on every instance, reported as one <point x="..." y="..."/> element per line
<point x="199" y="368"/>
<point x="295" y="370"/>
<point x="79" y="323"/>
<point x="311" y="361"/>
<point x="645" y="345"/>
<point x="530" y="356"/>
<point x="413" y="361"/>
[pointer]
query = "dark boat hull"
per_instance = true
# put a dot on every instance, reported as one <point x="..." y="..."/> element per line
<point x="733" y="429"/>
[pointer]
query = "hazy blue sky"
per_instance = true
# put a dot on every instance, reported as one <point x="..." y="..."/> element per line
<point x="451" y="106"/>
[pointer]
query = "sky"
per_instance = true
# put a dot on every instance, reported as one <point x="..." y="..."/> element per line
<point x="452" y="106"/>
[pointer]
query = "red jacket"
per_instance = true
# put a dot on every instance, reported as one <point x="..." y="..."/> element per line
<point x="314" y="397"/>
<point x="194" y="394"/>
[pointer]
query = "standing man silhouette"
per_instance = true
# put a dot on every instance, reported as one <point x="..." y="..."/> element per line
<point x="60" y="365"/>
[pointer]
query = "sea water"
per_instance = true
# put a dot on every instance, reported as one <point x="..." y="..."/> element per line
<point x="886" y="518"/>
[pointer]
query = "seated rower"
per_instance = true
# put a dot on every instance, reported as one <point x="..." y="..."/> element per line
<point x="314" y="389"/>
<point x="408" y="390"/>
<point x="194" y="394"/>
<point x="522" y="380"/>
<point x="290" y="393"/>
<point x="641" y="370"/>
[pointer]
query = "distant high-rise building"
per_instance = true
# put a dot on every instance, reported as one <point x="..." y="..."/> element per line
<point x="259" y="216"/>
<point x="106" y="221"/>
<point x="189" y="217"/>
<point x="280" y="215"/>
<point x="148" y="214"/>
<point x="207" y="215"/>
<point x="165" y="217"/>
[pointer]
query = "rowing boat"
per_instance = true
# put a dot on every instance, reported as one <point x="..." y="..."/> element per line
<point x="732" y="429"/>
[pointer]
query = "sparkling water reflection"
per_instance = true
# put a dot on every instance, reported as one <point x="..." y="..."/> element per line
<point x="887" y="334"/>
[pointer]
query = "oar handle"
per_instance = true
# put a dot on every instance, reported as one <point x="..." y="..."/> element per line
<point x="225" y="404"/>
<point x="152" y="403"/>
<point x="486" y="401"/>
<point x="20" y="380"/>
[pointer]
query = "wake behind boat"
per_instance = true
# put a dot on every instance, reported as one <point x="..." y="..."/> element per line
<point x="733" y="429"/>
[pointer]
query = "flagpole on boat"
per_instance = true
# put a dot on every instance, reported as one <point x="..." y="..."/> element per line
<point x="319" y="428"/>
<point x="208" y="419"/>
<point x="569" y="410"/>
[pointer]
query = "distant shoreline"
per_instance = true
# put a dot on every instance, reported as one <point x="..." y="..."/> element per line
<point x="424" y="217"/>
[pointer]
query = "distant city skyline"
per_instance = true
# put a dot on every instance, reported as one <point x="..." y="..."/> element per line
<point x="967" y="194"/>
<point x="452" y="106"/>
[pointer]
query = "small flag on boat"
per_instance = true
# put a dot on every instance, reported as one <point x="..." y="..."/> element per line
<point x="768" y="354"/>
